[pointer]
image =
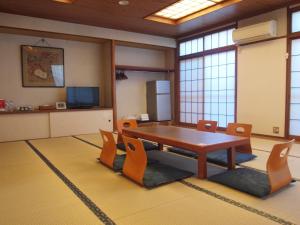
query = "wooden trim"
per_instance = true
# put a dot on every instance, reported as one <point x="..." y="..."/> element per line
<point x="177" y="86"/>
<point x="294" y="7"/>
<point x="272" y="137"/>
<point x="141" y="68"/>
<point x="141" y="45"/>
<point x="113" y="83"/>
<point x="53" y="111"/>
<point x="47" y="34"/>
<point x="288" y="79"/>
<point x="291" y="36"/>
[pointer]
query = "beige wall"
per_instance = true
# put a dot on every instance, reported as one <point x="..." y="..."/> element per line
<point x="131" y="93"/>
<point x="83" y="67"/>
<point x="262" y="79"/>
<point x="279" y="15"/>
<point x="32" y="23"/>
<point x="140" y="57"/>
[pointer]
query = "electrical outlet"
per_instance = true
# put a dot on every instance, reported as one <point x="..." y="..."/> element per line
<point x="275" y="130"/>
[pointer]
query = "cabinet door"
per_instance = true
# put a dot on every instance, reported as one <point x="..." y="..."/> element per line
<point x="81" y="122"/>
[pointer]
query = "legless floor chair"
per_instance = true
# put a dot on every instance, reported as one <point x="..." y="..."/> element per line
<point x="132" y="124"/>
<point x="257" y="183"/>
<point x="109" y="156"/>
<point x="149" y="176"/>
<point x="243" y="153"/>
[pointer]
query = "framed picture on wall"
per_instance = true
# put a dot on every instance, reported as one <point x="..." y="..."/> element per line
<point x="42" y="66"/>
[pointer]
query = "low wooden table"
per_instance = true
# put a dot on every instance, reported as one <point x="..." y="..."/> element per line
<point x="192" y="140"/>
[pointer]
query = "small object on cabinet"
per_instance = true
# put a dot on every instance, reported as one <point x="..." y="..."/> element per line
<point x="144" y="117"/>
<point x="2" y="105"/>
<point x="47" y="107"/>
<point x="61" y="105"/>
<point x="26" y="108"/>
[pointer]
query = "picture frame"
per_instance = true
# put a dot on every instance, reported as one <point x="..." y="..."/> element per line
<point x="42" y="66"/>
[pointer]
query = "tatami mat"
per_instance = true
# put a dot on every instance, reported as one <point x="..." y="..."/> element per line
<point x="196" y="209"/>
<point x="127" y="203"/>
<point x="29" y="182"/>
<point x="31" y="194"/>
<point x="118" y="196"/>
<point x="96" y="140"/>
<point x="93" y="138"/>
<point x="284" y="204"/>
<point x="267" y="145"/>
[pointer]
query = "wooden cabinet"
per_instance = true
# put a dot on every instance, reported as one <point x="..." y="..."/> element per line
<point x="34" y="125"/>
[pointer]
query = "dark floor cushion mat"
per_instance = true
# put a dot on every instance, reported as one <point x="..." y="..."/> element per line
<point x="159" y="174"/>
<point x="120" y="159"/>
<point x="220" y="157"/>
<point x="147" y="145"/>
<point x="119" y="162"/>
<point x="245" y="180"/>
<point x="183" y="152"/>
<point x="217" y="157"/>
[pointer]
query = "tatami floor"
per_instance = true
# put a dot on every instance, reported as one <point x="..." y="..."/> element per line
<point x="58" y="181"/>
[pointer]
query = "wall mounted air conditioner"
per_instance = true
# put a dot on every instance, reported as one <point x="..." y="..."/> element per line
<point x="257" y="32"/>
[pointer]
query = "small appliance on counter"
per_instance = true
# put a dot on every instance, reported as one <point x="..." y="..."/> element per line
<point x="2" y="105"/>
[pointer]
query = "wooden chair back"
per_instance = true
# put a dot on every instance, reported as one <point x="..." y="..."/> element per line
<point x="239" y="129"/>
<point x="109" y="149"/>
<point x="136" y="160"/>
<point x="242" y="130"/>
<point x="207" y="125"/>
<point x="125" y="124"/>
<point x="277" y="166"/>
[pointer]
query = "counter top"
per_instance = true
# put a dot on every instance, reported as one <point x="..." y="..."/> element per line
<point x="54" y="110"/>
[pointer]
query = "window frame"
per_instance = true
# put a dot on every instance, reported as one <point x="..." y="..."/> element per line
<point x="202" y="54"/>
<point x="290" y="37"/>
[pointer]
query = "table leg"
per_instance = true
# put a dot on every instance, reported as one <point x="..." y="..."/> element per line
<point x="160" y="146"/>
<point x="202" y="166"/>
<point x="231" y="158"/>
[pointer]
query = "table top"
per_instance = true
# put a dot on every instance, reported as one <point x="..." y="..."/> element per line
<point x="191" y="139"/>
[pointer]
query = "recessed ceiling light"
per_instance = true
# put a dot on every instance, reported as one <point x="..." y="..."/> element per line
<point x="185" y="10"/>
<point x="123" y="2"/>
<point x="185" y="7"/>
<point x="65" y="1"/>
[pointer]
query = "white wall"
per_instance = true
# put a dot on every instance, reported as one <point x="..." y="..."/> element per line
<point x="140" y="57"/>
<point x="131" y="93"/>
<point x="262" y="86"/>
<point x="262" y="79"/>
<point x="82" y="68"/>
<point x="32" y="23"/>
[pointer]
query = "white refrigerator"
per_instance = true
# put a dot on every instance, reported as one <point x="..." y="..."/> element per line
<point x="159" y="100"/>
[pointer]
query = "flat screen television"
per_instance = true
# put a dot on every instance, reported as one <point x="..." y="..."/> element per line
<point x="82" y="97"/>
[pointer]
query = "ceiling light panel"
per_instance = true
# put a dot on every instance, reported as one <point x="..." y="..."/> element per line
<point x="184" y="8"/>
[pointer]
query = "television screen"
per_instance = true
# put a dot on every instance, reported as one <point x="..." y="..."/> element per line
<point x="82" y="97"/>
